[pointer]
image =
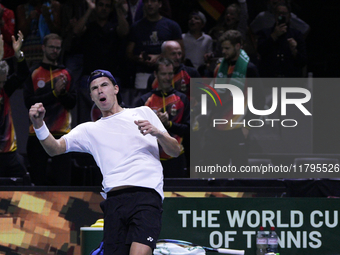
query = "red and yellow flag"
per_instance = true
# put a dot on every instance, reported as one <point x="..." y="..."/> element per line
<point x="214" y="7"/>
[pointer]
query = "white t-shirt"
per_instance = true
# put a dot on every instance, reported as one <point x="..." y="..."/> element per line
<point x="196" y="48"/>
<point x="123" y="154"/>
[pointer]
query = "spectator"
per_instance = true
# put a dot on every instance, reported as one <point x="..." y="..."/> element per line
<point x="71" y="13"/>
<point x="229" y="142"/>
<point x="197" y="44"/>
<point x="173" y="109"/>
<point x="136" y="10"/>
<point x="182" y="74"/>
<point x="102" y="46"/>
<point x="182" y="9"/>
<point x="101" y="38"/>
<point x="36" y="19"/>
<point x="7" y="28"/>
<point x="146" y="38"/>
<point x="266" y="19"/>
<point x="180" y="82"/>
<point x="235" y="18"/>
<point x="10" y="163"/>
<point x="52" y="85"/>
<point x="282" y="48"/>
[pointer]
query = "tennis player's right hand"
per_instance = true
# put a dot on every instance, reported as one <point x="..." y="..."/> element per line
<point x="37" y="114"/>
<point x="146" y="127"/>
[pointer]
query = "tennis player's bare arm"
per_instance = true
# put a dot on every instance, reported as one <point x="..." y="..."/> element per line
<point x="168" y="143"/>
<point x="51" y="145"/>
<point x="55" y="147"/>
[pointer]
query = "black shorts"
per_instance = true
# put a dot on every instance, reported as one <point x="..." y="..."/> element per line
<point x="131" y="215"/>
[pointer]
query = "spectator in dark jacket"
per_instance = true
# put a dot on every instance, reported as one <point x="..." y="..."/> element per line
<point x="282" y="49"/>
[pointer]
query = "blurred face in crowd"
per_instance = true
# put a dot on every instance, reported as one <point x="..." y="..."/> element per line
<point x="151" y="7"/>
<point x="52" y="49"/>
<point x="103" y="9"/>
<point x="164" y="75"/>
<point x="282" y="11"/>
<point x="195" y="23"/>
<point x="173" y="51"/>
<point x="231" y="16"/>
<point x="229" y="51"/>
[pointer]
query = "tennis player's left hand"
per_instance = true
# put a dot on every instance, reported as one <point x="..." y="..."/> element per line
<point x="146" y="127"/>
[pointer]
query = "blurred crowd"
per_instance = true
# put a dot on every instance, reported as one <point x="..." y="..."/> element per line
<point x="153" y="48"/>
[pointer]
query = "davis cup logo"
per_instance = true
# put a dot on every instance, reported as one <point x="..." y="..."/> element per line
<point x="239" y="105"/>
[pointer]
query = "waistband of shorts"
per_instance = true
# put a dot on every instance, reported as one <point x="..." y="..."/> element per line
<point x="128" y="190"/>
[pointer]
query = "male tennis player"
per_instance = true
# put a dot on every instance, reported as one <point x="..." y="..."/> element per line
<point x="124" y="145"/>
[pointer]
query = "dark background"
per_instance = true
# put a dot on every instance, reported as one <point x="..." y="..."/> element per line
<point x="323" y="58"/>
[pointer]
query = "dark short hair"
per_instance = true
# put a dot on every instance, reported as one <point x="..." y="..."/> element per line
<point x="237" y="8"/>
<point x="50" y="37"/>
<point x="234" y="36"/>
<point x="284" y="5"/>
<point x="199" y="14"/>
<point x="163" y="61"/>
